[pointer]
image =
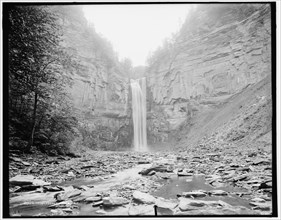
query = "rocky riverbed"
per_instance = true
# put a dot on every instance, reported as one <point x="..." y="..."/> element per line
<point x="190" y="182"/>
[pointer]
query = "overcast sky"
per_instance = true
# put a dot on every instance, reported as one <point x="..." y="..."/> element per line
<point x="136" y="30"/>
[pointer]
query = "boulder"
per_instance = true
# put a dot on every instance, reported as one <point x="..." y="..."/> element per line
<point x="156" y="168"/>
<point x="101" y="212"/>
<point x="93" y="199"/>
<point x="166" y="204"/>
<point x="143" y="162"/>
<point x="261" y="162"/>
<point x="263" y="206"/>
<point x="185" y="172"/>
<point x="64" y="204"/>
<point x="265" y="185"/>
<point x="68" y="194"/>
<point x="190" y="204"/>
<point x="25" y="188"/>
<point x="164" y="175"/>
<point x="141" y="210"/>
<point x="26" y="163"/>
<point x="52" y="188"/>
<point x="38" y="182"/>
<point x="98" y="203"/>
<point x="129" y="187"/>
<point x="218" y="184"/>
<point x="194" y="194"/>
<point x="218" y="192"/>
<point x="143" y="197"/>
<point x="114" y="201"/>
<point x="151" y="173"/>
<point x="194" y="204"/>
<point x="34" y="198"/>
<point x="21" y="180"/>
<point x="259" y="200"/>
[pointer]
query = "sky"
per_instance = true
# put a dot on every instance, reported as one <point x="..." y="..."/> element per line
<point x="136" y="30"/>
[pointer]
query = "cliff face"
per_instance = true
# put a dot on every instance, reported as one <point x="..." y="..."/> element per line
<point x="99" y="92"/>
<point x="220" y="50"/>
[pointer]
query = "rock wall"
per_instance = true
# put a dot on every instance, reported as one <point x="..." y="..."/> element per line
<point x="216" y="54"/>
<point x="99" y="91"/>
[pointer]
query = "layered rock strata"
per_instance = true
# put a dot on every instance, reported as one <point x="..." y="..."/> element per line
<point x="210" y="60"/>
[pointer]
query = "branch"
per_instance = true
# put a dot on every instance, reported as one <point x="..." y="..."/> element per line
<point x="47" y="64"/>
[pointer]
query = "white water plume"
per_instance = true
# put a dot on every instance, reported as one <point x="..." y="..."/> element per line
<point x="138" y="87"/>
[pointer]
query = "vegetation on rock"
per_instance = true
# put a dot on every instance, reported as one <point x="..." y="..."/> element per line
<point x="40" y="113"/>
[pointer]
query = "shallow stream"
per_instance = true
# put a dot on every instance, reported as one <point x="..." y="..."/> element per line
<point x="170" y="189"/>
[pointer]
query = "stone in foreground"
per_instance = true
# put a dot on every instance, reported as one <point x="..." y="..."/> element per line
<point x="114" y="201"/>
<point x="21" y="180"/>
<point x="218" y="192"/>
<point x="143" y="197"/>
<point x="141" y="210"/>
<point x="194" y="194"/>
<point x="64" y="204"/>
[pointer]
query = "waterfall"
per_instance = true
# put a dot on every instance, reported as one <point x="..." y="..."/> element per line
<point x="139" y="113"/>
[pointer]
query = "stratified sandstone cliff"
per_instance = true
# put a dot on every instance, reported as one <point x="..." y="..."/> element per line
<point x="99" y="91"/>
<point x="220" y="50"/>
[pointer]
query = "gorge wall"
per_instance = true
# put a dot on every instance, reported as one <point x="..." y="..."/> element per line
<point x="99" y="91"/>
<point x="219" y="50"/>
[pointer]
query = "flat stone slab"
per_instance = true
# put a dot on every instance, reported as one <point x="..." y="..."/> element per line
<point x="185" y="173"/>
<point x="68" y="194"/>
<point x="64" y="204"/>
<point x="93" y="199"/>
<point x="52" y="188"/>
<point x="38" y="182"/>
<point x="21" y="180"/>
<point x="157" y="168"/>
<point x="260" y="200"/>
<point x="166" y="204"/>
<point x="218" y="192"/>
<point x="143" y="197"/>
<point x="47" y="198"/>
<point x="194" y="194"/>
<point x="263" y="206"/>
<point x="141" y="210"/>
<point x="114" y="201"/>
<point x="191" y="204"/>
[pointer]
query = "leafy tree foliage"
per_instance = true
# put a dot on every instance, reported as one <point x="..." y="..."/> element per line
<point x="40" y="113"/>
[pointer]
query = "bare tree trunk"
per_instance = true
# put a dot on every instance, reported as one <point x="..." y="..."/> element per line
<point x="30" y="142"/>
<point x="40" y="121"/>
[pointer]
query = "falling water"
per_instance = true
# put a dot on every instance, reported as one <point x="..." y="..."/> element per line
<point x="139" y="113"/>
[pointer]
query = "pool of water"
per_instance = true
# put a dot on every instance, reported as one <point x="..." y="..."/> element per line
<point x="177" y="185"/>
<point x="170" y="189"/>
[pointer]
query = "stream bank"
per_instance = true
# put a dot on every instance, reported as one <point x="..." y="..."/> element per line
<point x="191" y="182"/>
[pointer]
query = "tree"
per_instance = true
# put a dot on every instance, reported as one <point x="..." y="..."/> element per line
<point x="37" y="65"/>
